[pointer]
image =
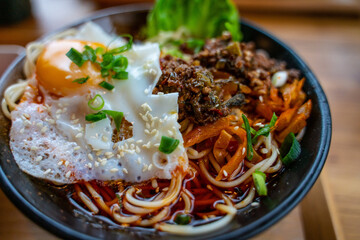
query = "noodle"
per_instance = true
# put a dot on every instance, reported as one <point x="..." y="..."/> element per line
<point x="206" y="190"/>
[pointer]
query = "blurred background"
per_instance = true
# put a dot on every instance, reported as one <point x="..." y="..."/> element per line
<point x="325" y="33"/>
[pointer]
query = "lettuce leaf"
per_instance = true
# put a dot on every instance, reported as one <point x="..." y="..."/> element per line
<point x="202" y="18"/>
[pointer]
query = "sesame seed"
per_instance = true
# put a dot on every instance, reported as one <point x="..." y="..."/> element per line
<point x="160" y="93"/>
<point x="147" y="145"/>
<point x="113" y="170"/>
<point x="153" y="131"/>
<point x="22" y="130"/>
<point x="150" y="167"/>
<point x="156" y="144"/>
<point x="75" y="121"/>
<point x="154" y="183"/>
<point x="105" y="139"/>
<point x="38" y="159"/>
<point x="236" y="127"/>
<point x="34" y="148"/>
<point x="147" y="125"/>
<point x="66" y="163"/>
<point x="170" y="133"/>
<point x="68" y="174"/>
<point x="59" y="163"/>
<point x="96" y="164"/>
<point x="147" y="131"/>
<point x="209" y="187"/>
<point x="90" y="157"/>
<point x="98" y="153"/>
<point x="138" y="160"/>
<point x="39" y="124"/>
<point x="145" y="118"/>
<point x="58" y="111"/>
<point x="27" y="116"/>
<point x="118" y="156"/>
<point x="122" y="154"/>
<point x="137" y="149"/>
<point x="277" y="150"/>
<point x="131" y="140"/>
<point x="125" y="170"/>
<point x="139" y="141"/>
<point x="79" y="135"/>
<point x="132" y="146"/>
<point x="225" y="173"/>
<point x="77" y="148"/>
<point x="144" y="168"/>
<point x="47" y="171"/>
<point x="255" y="204"/>
<point x="152" y="124"/>
<point x="103" y="163"/>
<point x="146" y="91"/>
<point x="264" y="151"/>
<point x="243" y="151"/>
<point x="51" y="121"/>
<point x="261" y="98"/>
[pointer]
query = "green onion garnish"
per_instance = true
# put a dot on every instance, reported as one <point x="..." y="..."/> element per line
<point x="95" y="117"/>
<point x="259" y="181"/>
<point x="116" y="116"/>
<point x="106" y="85"/>
<point x="195" y="44"/>
<point x="119" y="199"/>
<point x="182" y="219"/>
<point x="249" y="152"/>
<point x="125" y="47"/>
<point x="168" y="144"/>
<point x="290" y="149"/>
<point x="96" y="103"/>
<point x="120" y="63"/>
<point x="121" y="75"/>
<point x="81" y="80"/>
<point x="89" y="54"/>
<point x="266" y="129"/>
<point x="99" y="50"/>
<point x="75" y="56"/>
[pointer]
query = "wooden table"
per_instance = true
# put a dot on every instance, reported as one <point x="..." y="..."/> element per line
<point x="331" y="46"/>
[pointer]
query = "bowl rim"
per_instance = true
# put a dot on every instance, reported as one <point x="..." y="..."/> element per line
<point x="247" y="231"/>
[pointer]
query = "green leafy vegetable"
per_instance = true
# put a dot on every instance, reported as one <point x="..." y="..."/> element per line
<point x="290" y="149"/>
<point x="168" y="144"/>
<point x="116" y="116"/>
<point x="96" y="103"/>
<point x="81" y="80"/>
<point x="203" y="19"/>
<point x="182" y="219"/>
<point x="259" y="181"/>
<point x="250" y="150"/>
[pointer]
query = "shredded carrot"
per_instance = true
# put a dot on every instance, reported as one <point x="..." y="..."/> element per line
<point x="221" y="145"/>
<point x="305" y="108"/>
<point x="202" y="133"/>
<point x="238" y="157"/>
<point x="264" y="110"/>
<point x="298" y="123"/>
<point x="284" y="119"/>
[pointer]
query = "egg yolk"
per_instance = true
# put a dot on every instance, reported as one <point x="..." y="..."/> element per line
<point x="56" y="72"/>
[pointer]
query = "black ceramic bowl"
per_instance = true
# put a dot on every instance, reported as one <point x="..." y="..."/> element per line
<point x="48" y="206"/>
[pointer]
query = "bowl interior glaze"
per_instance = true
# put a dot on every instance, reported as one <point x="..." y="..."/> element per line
<point x="49" y="207"/>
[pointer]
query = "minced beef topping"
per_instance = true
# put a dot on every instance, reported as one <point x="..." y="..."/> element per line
<point x="212" y="82"/>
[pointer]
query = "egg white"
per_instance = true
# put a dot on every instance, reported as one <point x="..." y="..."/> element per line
<point x="53" y="141"/>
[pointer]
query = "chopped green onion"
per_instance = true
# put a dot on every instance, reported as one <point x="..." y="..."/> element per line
<point x="118" y="196"/>
<point x="95" y="117"/>
<point x="290" y="149"/>
<point x="120" y="62"/>
<point x="106" y="85"/>
<point x="121" y="75"/>
<point x="168" y="144"/>
<point x="96" y="103"/>
<point x="104" y="72"/>
<point x="175" y="52"/>
<point x="182" y="219"/>
<point x="266" y="129"/>
<point x="75" y="56"/>
<point x="99" y="50"/>
<point x="116" y="116"/>
<point x="250" y="151"/>
<point x="81" y="80"/>
<point x="124" y="48"/>
<point x="252" y="131"/>
<point x="89" y="54"/>
<point x="259" y="181"/>
<point x="107" y="61"/>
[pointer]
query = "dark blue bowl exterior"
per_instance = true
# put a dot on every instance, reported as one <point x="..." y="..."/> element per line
<point x="53" y="212"/>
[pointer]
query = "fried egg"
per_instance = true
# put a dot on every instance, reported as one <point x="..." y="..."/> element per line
<point x="50" y="138"/>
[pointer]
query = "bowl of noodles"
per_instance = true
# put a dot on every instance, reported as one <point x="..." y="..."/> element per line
<point x="110" y="134"/>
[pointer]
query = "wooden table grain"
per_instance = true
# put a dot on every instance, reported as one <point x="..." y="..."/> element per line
<point x="331" y="47"/>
